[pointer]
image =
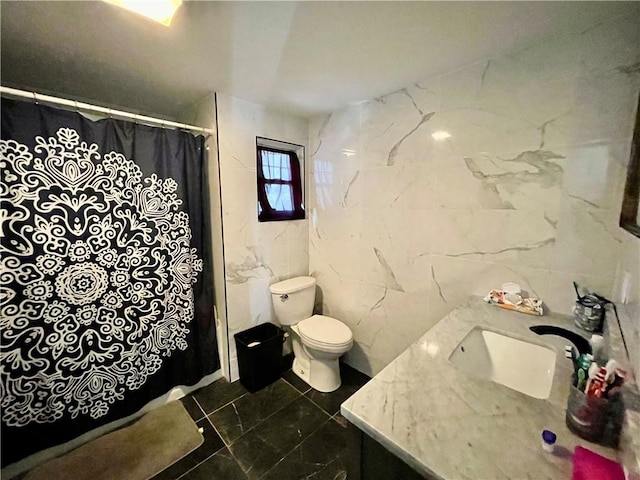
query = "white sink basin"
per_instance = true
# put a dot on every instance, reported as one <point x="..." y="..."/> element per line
<point x="522" y="366"/>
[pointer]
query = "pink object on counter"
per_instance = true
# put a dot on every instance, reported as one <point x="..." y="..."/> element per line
<point x="588" y="465"/>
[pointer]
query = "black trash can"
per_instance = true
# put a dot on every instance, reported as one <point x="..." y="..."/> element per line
<point x="259" y="356"/>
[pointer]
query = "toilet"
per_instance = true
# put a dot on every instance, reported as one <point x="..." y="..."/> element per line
<point x="318" y="341"/>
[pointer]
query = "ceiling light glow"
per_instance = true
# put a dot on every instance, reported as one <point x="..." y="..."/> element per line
<point x="161" y="11"/>
<point x="440" y="135"/>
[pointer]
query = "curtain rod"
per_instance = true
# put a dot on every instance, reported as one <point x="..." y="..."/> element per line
<point x="95" y="108"/>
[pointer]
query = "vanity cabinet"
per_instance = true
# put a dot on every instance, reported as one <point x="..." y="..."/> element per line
<point x="368" y="460"/>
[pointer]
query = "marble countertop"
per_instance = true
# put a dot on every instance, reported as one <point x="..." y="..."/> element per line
<point x="447" y="424"/>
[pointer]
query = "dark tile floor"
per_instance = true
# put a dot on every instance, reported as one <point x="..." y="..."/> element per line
<point x="286" y="431"/>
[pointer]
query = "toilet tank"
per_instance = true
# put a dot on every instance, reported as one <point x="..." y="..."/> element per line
<point x="293" y="299"/>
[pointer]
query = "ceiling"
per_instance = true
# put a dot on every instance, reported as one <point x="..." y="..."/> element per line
<point x="304" y="58"/>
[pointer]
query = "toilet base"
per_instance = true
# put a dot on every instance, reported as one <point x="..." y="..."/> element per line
<point x="322" y="375"/>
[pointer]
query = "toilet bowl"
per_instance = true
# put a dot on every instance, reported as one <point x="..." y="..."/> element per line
<point x="321" y="341"/>
<point x="318" y="341"/>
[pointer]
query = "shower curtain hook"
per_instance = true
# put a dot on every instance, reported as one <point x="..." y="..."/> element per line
<point x="75" y="102"/>
<point x="35" y="98"/>
<point x="110" y="113"/>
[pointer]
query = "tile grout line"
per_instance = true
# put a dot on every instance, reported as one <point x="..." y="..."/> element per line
<point x="228" y="445"/>
<point x="291" y="384"/>
<point x="331" y="415"/>
<point x="306" y="438"/>
<point x="222" y="406"/>
<point x="259" y="423"/>
<point x="200" y="407"/>
<point x="235" y="459"/>
<point x="196" y="466"/>
<point x="224" y="442"/>
<point x="210" y="456"/>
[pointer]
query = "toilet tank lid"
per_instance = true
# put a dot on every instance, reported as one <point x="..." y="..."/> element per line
<point x="292" y="285"/>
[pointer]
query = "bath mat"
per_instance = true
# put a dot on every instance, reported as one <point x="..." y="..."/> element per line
<point x="137" y="452"/>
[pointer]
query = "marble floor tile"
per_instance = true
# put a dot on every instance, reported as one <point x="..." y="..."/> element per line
<point x="264" y="446"/>
<point x="220" y="466"/>
<point x="218" y="394"/>
<point x="312" y="456"/>
<point x="241" y="415"/>
<point x="275" y="433"/>
<point x="334" y="470"/>
<point x="193" y="408"/>
<point x="343" y="422"/>
<point x="212" y="444"/>
<point x="296" y="382"/>
<point x="352" y="381"/>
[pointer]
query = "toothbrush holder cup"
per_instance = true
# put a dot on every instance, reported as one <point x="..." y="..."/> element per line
<point x="597" y="420"/>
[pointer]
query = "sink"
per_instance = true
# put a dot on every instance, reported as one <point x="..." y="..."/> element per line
<point x="520" y="365"/>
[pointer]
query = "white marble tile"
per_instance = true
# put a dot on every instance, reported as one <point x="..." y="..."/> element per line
<point x="498" y="236"/>
<point x="559" y="294"/>
<point x="627" y="286"/>
<point x="335" y="123"/>
<point x="256" y="254"/>
<point x="384" y="321"/>
<point x="527" y="182"/>
<point x="588" y="239"/>
<point x="239" y="190"/>
<point x="404" y="187"/>
<point x="338" y="224"/>
<point x="248" y="304"/>
<point x="593" y="174"/>
<point x="526" y="189"/>
<point x="329" y="187"/>
<point x="458" y="277"/>
<point x="352" y="260"/>
<point x="238" y="151"/>
<point x="600" y="114"/>
<point x="253" y="262"/>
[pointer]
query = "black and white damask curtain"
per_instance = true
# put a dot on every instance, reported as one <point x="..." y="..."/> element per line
<point x="106" y="290"/>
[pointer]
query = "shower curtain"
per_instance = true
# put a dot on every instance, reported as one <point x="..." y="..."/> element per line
<point x="106" y="289"/>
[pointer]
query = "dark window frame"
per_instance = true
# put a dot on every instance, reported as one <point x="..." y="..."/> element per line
<point x="266" y="212"/>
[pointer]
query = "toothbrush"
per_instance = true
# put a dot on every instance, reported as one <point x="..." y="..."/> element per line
<point x="575" y="286"/>
<point x="571" y="352"/>
<point x="611" y="368"/>
<point x="591" y="374"/>
<point x="581" y="380"/>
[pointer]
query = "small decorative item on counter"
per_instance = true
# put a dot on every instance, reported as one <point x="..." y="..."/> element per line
<point x="589" y="310"/>
<point x="510" y="297"/>
<point x="548" y="441"/>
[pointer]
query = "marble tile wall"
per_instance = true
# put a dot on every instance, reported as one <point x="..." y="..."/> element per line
<point x="526" y="189"/>
<point x="203" y="114"/>
<point x="256" y="254"/>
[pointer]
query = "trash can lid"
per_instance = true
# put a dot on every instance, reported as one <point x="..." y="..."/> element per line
<point x="292" y="285"/>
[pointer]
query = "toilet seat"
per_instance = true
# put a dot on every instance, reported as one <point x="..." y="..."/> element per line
<point x="325" y="333"/>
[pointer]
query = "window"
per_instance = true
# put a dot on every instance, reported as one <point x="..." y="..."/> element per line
<point x="280" y="194"/>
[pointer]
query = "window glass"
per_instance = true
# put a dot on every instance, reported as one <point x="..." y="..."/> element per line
<point x="280" y="197"/>
<point x="280" y="194"/>
<point x="275" y="165"/>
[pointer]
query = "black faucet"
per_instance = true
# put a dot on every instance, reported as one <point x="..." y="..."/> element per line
<point x="581" y="343"/>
